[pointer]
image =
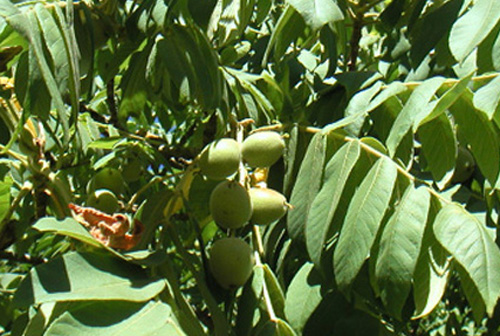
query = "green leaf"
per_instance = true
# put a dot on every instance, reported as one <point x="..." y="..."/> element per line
<point x="400" y="247"/>
<point x="438" y="146"/>
<point x="5" y="186"/>
<point x="472" y="294"/>
<point x="448" y="99"/>
<point x="289" y="26"/>
<point x="430" y="277"/>
<point x="317" y="13"/>
<point x="325" y="203"/>
<point x="13" y="16"/>
<point x="55" y="45"/>
<point x="358" y="108"/>
<point x="116" y="318"/>
<point x="412" y="110"/>
<point x="487" y="97"/>
<point x="306" y="186"/>
<point x="105" y="143"/>
<point x="50" y="81"/>
<point x="362" y="221"/>
<point x="67" y="227"/>
<point x="475" y="127"/>
<point x="204" y="61"/>
<point x="248" y="303"/>
<point x="302" y="297"/>
<point x="431" y="29"/>
<point x="275" y="292"/>
<point x="495" y="53"/>
<point x="473" y="248"/>
<point x="276" y="327"/>
<point x="470" y="29"/>
<point x="134" y="86"/>
<point x="84" y="276"/>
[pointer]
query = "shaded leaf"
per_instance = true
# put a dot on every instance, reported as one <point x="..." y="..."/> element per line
<point x="276" y="327"/>
<point x="302" y="297"/>
<point x="474" y="126"/>
<point x="289" y="26"/>
<point x="438" y="145"/>
<point x="431" y="276"/>
<point x="133" y="85"/>
<point x="116" y="318"/>
<point x="431" y="28"/>
<point x="473" y="248"/>
<point x="85" y="276"/>
<point x="400" y="247"/>
<point x="362" y="221"/>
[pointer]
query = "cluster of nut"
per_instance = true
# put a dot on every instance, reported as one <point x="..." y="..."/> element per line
<point x="232" y="205"/>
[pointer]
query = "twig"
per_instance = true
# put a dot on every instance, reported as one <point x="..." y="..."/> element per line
<point x="25" y="258"/>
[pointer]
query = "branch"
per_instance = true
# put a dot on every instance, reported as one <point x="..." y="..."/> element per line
<point x="110" y="99"/>
<point x="354" y="43"/>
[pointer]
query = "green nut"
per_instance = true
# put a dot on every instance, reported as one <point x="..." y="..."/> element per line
<point x="230" y="205"/>
<point x="220" y="159"/>
<point x="464" y="166"/>
<point x="268" y="205"/>
<point x="231" y="262"/>
<point x="108" y="178"/>
<point x="103" y="200"/>
<point x="262" y="149"/>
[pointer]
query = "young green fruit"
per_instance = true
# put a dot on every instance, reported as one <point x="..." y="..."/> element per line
<point x="220" y="159"/>
<point x="464" y="166"/>
<point x="230" y="205"/>
<point x="267" y="205"/>
<point x="103" y="200"/>
<point x="231" y="262"/>
<point x="108" y="178"/>
<point x="262" y="149"/>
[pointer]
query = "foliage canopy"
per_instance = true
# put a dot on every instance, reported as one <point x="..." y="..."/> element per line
<point x="385" y="234"/>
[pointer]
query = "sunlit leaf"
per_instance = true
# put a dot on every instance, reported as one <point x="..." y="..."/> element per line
<point x="399" y="248"/>
<point x="317" y="13"/>
<point x="362" y="221"/>
<point x="471" y="28"/>
<point x="325" y="203"/>
<point x="412" y="110"/>
<point x="307" y="185"/>
<point x="473" y="248"/>
<point x="487" y="97"/>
